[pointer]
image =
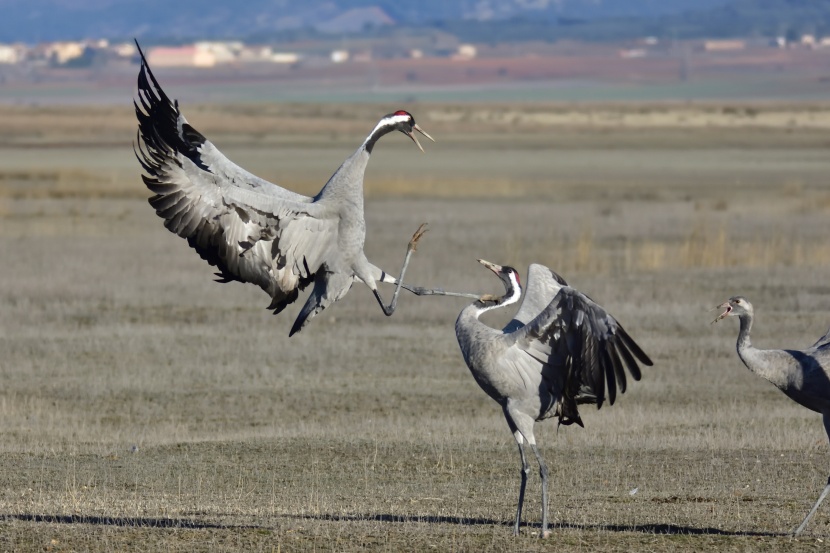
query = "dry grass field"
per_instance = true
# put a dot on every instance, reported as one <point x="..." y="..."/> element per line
<point x="145" y="407"/>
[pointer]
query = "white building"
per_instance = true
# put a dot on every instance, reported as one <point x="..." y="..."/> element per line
<point x="62" y="52"/>
<point x="125" y="49"/>
<point x="465" y="52"/>
<point x="284" y="57"/>
<point x="9" y="54"/>
<point x="180" y="56"/>
<point x="223" y="52"/>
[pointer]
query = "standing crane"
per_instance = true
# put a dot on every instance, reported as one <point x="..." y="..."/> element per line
<point x="803" y="375"/>
<point x="560" y="350"/>
<point x="252" y="230"/>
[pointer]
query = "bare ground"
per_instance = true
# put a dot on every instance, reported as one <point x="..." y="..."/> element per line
<point x="145" y="407"/>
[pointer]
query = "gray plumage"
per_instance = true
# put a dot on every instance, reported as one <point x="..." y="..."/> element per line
<point x="803" y="375"/>
<point x="252" y="230"/>
<point x="560" y="350"/>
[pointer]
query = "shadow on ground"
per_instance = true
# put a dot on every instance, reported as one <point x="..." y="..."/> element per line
<point x="138" y="522"/>
<point x="669" y="529"/>
<point x="142" y="522"/>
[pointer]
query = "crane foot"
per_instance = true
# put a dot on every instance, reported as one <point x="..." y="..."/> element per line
<point x="413" y="243"/>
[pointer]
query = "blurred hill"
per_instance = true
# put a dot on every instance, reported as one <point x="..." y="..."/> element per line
<point x="50" y="20"/>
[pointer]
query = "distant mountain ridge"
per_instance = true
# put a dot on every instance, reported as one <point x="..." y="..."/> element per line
<point x="471" y="20"/>
<point x="52" y="20"/>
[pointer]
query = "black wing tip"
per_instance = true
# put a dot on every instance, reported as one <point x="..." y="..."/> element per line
<point x="633" y="347"/>
<point x="300" y="322"/>
<point x="144" y="85"/>
<point x="140" y="51"/>
<point x="557" y="277"/>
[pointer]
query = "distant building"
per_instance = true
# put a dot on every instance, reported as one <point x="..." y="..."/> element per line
<point x="250" y="54"/>
<point x="223" y="51"/>
<point x="339" y="56"/>
<point x="124" y="50"/>
<point x="465" y="52"/>
<point x="9" y="54"/>
<point x="723" y="45"/>
<point x="62" y="52"/>
<point x="632" y="53"/>
<point x="284" y="57"/>
<point x="181" y="56"/>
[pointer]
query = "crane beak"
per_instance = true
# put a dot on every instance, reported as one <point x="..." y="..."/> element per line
<point x="422" y="131"/>
<point x="728" y="309"/>
<point x="411" y="135"/>
<point x="492" y="266"/>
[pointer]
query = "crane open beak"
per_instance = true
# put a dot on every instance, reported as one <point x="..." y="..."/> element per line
<point x="497" y="271"/>
<point x="411" y="135"/>
<point x="728" y="309"/>
<point x="492" y="266"/>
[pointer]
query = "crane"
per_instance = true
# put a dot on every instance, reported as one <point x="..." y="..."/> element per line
<point x="252" y="230"/>
<point x="803" y="375"/>
<point x="560" y="350"/>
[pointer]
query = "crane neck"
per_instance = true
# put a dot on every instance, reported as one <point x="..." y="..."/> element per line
<point x="749" y="354"/>
<point x="383" y="127"/>
<point x="513" y="291"/>
<point x="744" y="342"/>
<point x="347" y="181"/>
<point x="468" y="326"/>
<point x="770" y="365"/>
<point x="346" y="184"/>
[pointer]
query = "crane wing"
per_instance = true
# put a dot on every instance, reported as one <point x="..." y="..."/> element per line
<point x="823" y="341"/>
<point x="251" y="230"/>
<point x="539" y="290"/>
<point x="575" y="336"/>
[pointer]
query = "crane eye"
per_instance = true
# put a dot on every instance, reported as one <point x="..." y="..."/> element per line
<point x="737" y="302"/>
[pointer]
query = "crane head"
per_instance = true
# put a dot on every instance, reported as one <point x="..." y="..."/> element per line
<point x="404" y="122"/>
<point x="734" y="307"/>
<point x="398" y="121"/>
<point x="510" y="278"/>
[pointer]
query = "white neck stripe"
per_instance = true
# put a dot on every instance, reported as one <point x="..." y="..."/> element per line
<point x="517" y="293"/>
<point x="387" y="122"/>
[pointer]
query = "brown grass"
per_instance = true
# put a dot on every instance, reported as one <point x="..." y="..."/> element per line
<point x="145" y="407"/>
<point x="701" y="248"/>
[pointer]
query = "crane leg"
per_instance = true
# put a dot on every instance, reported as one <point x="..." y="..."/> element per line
<point x="410" y="248"/>
<point x="418" y="291"/>
<point x="825" y="417"/>
<point x="543" y="473"/>
<point x="814" y="509"/>
<point x="525" y="470"/>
